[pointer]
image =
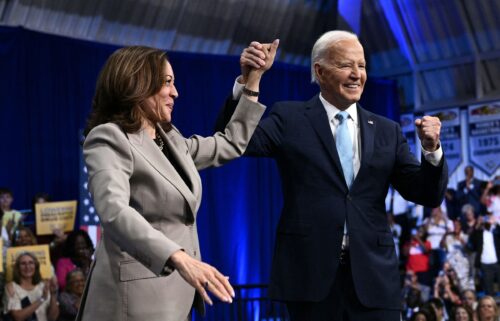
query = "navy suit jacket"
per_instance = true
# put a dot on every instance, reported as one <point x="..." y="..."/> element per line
<point x="472" y="197"/>
<point x="317" y="201"/>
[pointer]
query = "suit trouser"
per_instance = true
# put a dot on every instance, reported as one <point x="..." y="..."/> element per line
<point x="341" y="304"/>
<point x="490" y="273"/>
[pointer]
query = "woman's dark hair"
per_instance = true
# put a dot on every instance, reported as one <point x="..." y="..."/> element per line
<point x="130" y="75"/>
<point x="69" y="245"/>
<point x="427" y="311"/>
<point x="37" y="277"/>
<point x="37" y="196"/>
<point x="467" y="309"/>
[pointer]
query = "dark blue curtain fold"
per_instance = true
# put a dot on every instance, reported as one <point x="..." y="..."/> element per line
<point x="46" y="87"/>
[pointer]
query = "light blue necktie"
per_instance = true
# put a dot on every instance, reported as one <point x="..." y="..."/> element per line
<point x="344" y="147"/>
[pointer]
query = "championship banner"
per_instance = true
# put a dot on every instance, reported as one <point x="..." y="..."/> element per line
<point x="407" y="122"/>
<point x="41" y="252"/>
<point x="484" y="136"/>
<point x="450" y="136"/>
<point x="52" y="215"/>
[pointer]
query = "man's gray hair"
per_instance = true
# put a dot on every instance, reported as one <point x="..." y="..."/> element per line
<point x="323" y="43"/>
<point x="467" y="208"/>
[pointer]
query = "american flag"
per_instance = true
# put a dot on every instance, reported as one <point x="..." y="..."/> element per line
<point x="89" y="220"/>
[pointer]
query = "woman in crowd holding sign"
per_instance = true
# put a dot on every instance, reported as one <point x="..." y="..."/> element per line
<point x="28" y="297"/>
<point x="143" y="177"/>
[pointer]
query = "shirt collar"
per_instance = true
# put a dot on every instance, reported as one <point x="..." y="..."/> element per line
<point x="332" y="111"/>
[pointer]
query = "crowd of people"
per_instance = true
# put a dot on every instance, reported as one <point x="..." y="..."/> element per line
<point x="448" y="260"/>
<point x="451" y="256"/>
<point x="28" y="296"/>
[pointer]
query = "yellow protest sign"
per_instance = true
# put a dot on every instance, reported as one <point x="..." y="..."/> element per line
<point x="55" y="215"/>
<point x="40" y="251"/>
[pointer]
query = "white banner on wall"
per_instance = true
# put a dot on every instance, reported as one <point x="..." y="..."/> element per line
<point x="450" y="136"/>
<point x="484" y="136"/>
<point x="408" y="128"/>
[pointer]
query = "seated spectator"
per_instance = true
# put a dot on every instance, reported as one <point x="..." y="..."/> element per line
<point x="462" y="313"/>
<point x="487" y="309"/>
<point x="69" y="299"/>
<point x="455" y="243"/>
<point x="437" y="225"/>
<point x="77" y="252"/>
<point x="486" y="242"/>
<point x="10" y="217"/>
<point x="28" y="297"/>
<point x="417" y="251"/>
<point x="23" y="236"/>
<point x="469" y="299"/>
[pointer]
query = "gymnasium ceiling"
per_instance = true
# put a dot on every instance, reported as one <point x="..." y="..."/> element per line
<point x="441" y="52"/>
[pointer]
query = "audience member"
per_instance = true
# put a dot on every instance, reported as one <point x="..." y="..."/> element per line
<point x="423" y="315"/>
<point x="469" y="219"/>
<point x="452" y="204"/>
<point x="469" y="190"/>
<point x="417" y="252"/>
<point x="437" y="306"/>
<point x="69" y="299"/>
<point x="491" y="198"/>
<point x="396" y="232"/>
<point x="400" y="208"/>
<point x="437" y="225"/>
<point x="446" y="288"/>
<point x="469" y="299"/>
<point x="462" y="313"/>
<point x="3" y="231"/>
<point x="77" y="253"/>
<point x="57" y="239"/>
<point x="10" y="217"/>
<point x="487" y="309"/>
<point x="412" y="294"/>
<point x="486" y="242"/>
<point x="23" y="236"/>
<point x="28" y="297"/>
<point x="455" y="243"/>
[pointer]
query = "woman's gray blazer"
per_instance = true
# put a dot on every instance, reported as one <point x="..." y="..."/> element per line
<point x="148" y="212"/>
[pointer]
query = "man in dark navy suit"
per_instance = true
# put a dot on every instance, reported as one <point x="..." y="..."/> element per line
<point x="334" y="255"/>
<point x="469" y="191"/>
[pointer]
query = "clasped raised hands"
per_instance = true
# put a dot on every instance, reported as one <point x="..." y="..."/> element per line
<point x="258" y="58"/>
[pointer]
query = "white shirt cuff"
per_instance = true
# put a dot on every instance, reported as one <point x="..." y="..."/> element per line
<point x="237" y="89"/>
<point x="433" y="157"/>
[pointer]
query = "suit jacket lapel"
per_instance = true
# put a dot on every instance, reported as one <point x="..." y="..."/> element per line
<point x="148" y="149"/>
<point x="178" y="149"/>
<point x="316" y="114"/>
<point x="367" y="126"/>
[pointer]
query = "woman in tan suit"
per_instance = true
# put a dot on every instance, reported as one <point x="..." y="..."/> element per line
<point x="143" y="177"/>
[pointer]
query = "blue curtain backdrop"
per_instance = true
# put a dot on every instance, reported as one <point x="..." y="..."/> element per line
<point x="46" y="87"/>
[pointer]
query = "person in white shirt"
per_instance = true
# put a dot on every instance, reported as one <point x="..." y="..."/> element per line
<point x="486" y="242"/>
